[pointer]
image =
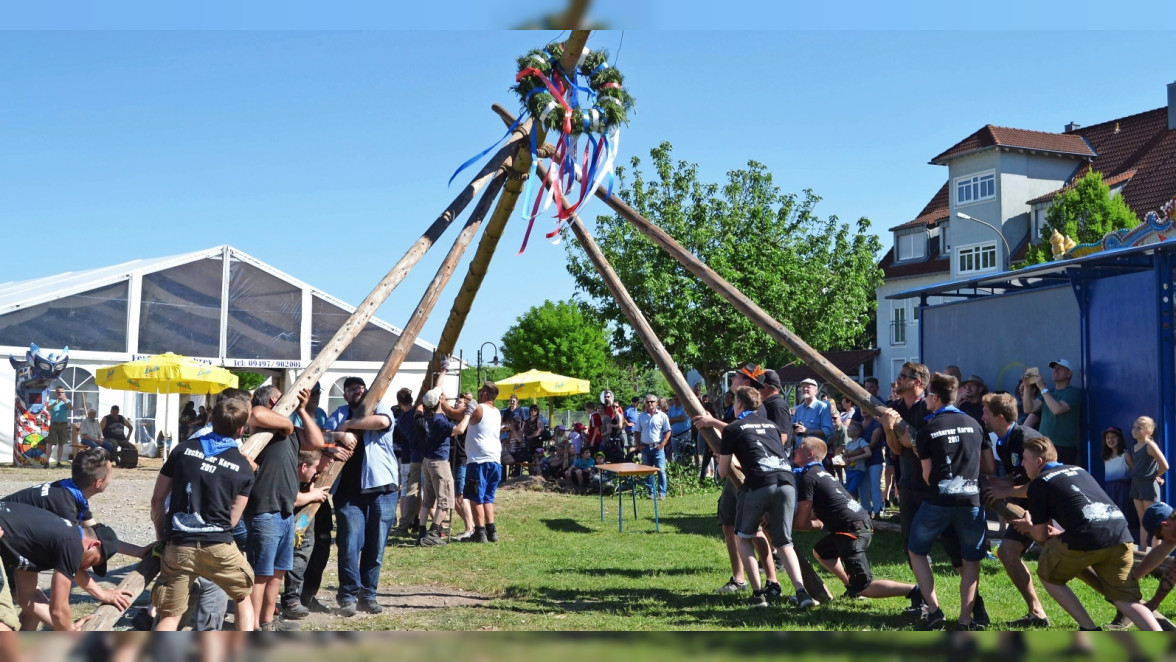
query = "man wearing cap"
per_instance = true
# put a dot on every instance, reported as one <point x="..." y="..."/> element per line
<point x="1160" y="526"/>
<point x="775" y="408"/>
<point x="653" y="429"/>
<point x="365" y="499"/>
<point x="436" y="477"/>
<point x="1061" y="413"/>
<point x="972" y="390"/>
<point x="36" y="540"/>
<point x="69" y="499"/>
<point x="1093" y="534"/>
<point x="812" y="417"/>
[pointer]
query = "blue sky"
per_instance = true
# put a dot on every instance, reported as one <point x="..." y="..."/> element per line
<point x="327" y="154"/>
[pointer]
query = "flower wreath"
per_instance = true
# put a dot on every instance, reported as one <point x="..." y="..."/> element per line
<point x="588" y="102"/>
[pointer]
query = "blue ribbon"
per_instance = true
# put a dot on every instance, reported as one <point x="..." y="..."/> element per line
<point x="212" y="444"/>
<point x="942" y="410"/>
<point x="806" y="467"/>
<point x="478" y="157"/>
<point x="79" y="498"/>
<point x="1052" y="465"/>
<point x="744" y="415"/>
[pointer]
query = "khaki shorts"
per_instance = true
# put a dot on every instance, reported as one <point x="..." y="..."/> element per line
<point x="436" y="484"/>
<point x="58" y="434"/>
<point x="1059" y="564"/>
<point x="8" y="612"/>
<point x="220" y="563"/>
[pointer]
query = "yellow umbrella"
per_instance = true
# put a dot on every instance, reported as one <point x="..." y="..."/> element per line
<point x="539" y="384"/>
<point x="165" y="373"/>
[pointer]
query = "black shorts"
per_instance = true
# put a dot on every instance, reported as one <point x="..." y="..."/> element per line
<point x="851" y="549"/>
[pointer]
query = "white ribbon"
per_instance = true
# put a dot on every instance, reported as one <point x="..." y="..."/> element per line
<point x="551" y="105"/>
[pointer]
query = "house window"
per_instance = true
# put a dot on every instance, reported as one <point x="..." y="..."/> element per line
<point x="974" y="188"/>
<point x="976" y="258"/>
<point x="898" y="325"/>
<point x="911" y="246"/>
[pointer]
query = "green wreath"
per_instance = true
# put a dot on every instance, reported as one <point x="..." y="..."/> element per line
<point x="612" y="101"/>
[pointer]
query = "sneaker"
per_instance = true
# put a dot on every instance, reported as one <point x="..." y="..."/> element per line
<point x="732" y="586"/>
<point x="1029" y="621"/>
<point x="758" y="599"/>
<point x="317" y="607"/>
<point x="803" y="599"/>
<point x="917" y="603"/>
<point x="491" y="533"/>
<point x="347" y="610"/>
<point x="371" y="606"/>
<point x="295" y="611"/>
<point x="279" y="625"/>
<point x="1119" y="623"/>
<point x="931" y="621"/>
<point x="773" y="590"/>
<point x="142" y="621"/>
<point x="479" y="535"/>
<point x="463" y="537"/>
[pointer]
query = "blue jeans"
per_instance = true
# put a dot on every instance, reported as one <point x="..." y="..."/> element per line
<point x="853" y="482"/>
<point x="968" y="521"/>
<point x="655" y="457"/>
<point x="871" y="494"/>
<point x="362" y="525"/>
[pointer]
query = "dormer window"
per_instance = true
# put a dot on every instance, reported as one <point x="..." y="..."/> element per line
<point x="910" y="246"/>
<point x="975" y="188"/>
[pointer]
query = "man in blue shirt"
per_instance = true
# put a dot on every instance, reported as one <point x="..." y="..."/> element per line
<point x="436" y="475"/>
<point x="365" y="499"/>
<point x="653" y="429"/>
<point x="812" y="417"/>
<point x="59" y="408"/>
<point x="631" y="414"/>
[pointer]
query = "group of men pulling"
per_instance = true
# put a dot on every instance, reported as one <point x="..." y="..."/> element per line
<point x="949" y="471"/>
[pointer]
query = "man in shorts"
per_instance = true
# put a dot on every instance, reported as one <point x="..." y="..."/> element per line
<point x="59" y="410"/>
<point x="768" y="488"/>
<point x="480" y="423"/>
<point x="1094" y="534"/>
<point x="208" y="481"/>
<point x="822" y="503"/>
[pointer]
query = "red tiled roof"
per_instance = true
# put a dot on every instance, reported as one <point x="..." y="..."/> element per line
<point x="1142" y="143"/>
<point x="1109" y="181"/>
<point x="846" y="361"/>
<point x="999" y="136"/>
<point x="934" y="264"/>
<point x="938" y="203"/>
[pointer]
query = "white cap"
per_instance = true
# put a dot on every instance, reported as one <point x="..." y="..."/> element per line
<point x="432" y="397"/>
<point x="1062" y="362"/>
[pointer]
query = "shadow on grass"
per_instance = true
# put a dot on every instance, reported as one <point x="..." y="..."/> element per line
<point x="633" y="573"/>
<point x="566" y="525"/>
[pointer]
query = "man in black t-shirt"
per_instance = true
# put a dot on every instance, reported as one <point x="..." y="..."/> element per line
<point x="35" y="541"/>
<point x="69" y="499"/>
<point x="1093" y="534"/>
<point x="768" y="487"/>
<point x="208" y="481"/>
<point x="775" y="408"/>
<point x="1000" y="418"/>
<point x="269" y="515"/>
<point x="950" y="448"/>
<point x="822" y="503"/>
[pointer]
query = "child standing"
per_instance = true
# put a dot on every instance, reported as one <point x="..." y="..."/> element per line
<point x="1148" y="465"/>
<point x="855" y="454"/>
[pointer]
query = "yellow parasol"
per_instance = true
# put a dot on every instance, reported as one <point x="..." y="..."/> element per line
<point x="165" y="373"/>
<point x="539" y="384"/>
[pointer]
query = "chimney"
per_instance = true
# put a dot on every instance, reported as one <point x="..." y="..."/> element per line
<point x="1171" y="106"/>
<point x="1073" y="126"/>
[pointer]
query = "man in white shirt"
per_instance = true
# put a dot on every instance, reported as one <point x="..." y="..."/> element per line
<point x="653" y="433"/>
<point x="91" y="433"/>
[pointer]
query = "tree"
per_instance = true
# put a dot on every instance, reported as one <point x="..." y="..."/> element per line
<point x="816" y="276"/>
<point x="248" y="380"/>
<point x="559" y="337"/>
<point x="1085" y="213"/>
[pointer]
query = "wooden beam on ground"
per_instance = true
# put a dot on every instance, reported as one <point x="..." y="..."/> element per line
<point x="106" y="615"/>
<point x="408" y="338"/>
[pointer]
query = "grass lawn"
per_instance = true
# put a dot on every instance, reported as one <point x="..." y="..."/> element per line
<point x="558" y="567"/>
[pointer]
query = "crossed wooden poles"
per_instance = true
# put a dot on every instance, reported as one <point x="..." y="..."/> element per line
<point x="504" y="174"/>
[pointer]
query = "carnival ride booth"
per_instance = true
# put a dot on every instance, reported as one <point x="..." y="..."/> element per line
<point x="1108" y="312"/>
<point x="219" y="306"/>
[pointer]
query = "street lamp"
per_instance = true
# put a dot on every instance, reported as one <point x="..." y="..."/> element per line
<point x="1008" y="250"/>
<point x="495" y="362"/>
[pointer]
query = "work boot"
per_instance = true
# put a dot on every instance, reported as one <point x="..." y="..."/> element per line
<point x="433" y="538"/>
<point x="491" y="532"/>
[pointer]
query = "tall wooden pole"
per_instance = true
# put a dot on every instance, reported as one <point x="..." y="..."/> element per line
<point x="107" y="615"/>
<point x="375" y="393"/>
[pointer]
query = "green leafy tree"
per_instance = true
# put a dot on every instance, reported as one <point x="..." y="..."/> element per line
<point x="815" y="275"/>
<point x="248" y="380"/>
<point x="1085" y="213"/>
<point x="559" y="337"/>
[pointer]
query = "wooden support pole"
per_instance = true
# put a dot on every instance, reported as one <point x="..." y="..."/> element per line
<point x="107" y="615"/>
<point x="408" y="337"/>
